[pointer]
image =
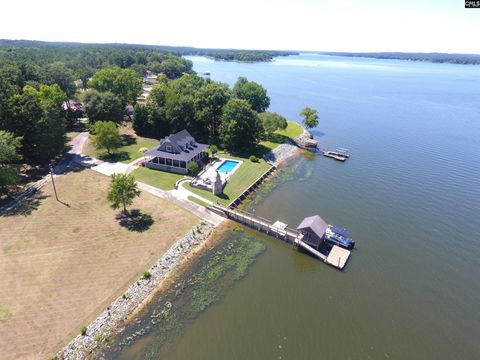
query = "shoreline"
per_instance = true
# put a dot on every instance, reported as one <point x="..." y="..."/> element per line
<point x="287" y="149"/>
<point x="123" y="309"/>
<point x="112" y="320"/>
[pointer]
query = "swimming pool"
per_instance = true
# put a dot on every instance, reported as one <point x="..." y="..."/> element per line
<point x="227" y="166"/>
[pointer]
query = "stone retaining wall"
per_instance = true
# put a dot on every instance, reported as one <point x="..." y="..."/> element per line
<point x="112" y="319"/>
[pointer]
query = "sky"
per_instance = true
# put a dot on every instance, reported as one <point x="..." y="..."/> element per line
<point x="317" y="25"/>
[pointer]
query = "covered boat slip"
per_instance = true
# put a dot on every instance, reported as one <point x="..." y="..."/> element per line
<point x="334" y="256"/>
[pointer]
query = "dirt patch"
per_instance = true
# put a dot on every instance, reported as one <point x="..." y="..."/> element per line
<point x="62" y="265"/>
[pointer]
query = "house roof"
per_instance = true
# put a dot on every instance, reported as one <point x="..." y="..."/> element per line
<point x="181" y="146"/>
<point x="314" y="223"/>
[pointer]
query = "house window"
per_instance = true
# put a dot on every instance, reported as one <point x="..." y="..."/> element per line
<point x="168" y="148"/>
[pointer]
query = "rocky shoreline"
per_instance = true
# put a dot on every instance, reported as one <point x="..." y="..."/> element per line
<point x="290" y="148"/>
<point x="112" y="319"/>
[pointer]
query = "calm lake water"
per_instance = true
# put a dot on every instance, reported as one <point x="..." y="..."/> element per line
<point x="409" y="195"/>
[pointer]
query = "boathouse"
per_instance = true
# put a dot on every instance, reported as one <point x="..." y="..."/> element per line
<point x="175" y="152"/>
<point x="313" y="229"/>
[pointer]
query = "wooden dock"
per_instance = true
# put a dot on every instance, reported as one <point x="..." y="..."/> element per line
<point x="337" y="256"/>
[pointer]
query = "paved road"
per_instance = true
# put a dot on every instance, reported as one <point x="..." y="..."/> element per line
<point x="75" y="157"/>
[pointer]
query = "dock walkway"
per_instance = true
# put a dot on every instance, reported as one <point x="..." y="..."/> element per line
<point x="337" y="257"/>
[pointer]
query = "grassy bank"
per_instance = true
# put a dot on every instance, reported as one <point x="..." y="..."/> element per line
<point x="279" y="137"/>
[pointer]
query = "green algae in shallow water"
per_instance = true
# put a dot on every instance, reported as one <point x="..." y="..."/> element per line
<point x="203" y="284"/>
<point x="282" y="176"/>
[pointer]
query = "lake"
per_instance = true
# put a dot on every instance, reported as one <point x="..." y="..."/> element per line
<point x="409" y="195"/>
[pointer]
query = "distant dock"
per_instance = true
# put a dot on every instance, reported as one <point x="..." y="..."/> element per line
<point x="339" y="154"/>
<point x="335" y="256"/>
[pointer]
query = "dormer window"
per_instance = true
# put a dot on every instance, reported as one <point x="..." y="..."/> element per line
<point x="168" y="148"/>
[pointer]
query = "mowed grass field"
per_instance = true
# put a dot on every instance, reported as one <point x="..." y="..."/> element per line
<point x="160" y="179"/>
<point x="62" y="264"/>
<point x="132" y="143"/>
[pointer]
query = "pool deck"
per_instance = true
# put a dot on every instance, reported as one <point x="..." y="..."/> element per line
<point x="206" y="177"/>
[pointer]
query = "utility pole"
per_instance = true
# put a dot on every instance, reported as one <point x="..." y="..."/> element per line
<point x="53" y="182"/>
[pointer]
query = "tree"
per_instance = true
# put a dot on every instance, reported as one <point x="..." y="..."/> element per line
<point x="37" y="116"/>
<point x="272" y="122"/>
<point x="213" y="150"/>
<point x="310" y="117"/>
<point x="58" y="73"/>
<point x="123" y="83"/>
<point x="192" y="167"/>
<point x="107" y="136"/>
<point x="254" y="93"/>
<point x="173" y="67"/>
<point x="240" y="127"/>
<point x="123" y="189"/>
<point x="9" y="153"/>
<point x="103" y="106"/>
<point x="208" y="104"/>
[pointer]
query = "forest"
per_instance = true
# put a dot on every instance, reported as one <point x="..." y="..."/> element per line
<point x="217" y="54"/>
<point x="464" y="59"/>
<point x="40" y="81"/>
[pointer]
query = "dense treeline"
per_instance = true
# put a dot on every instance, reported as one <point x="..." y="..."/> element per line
<point x="211" y="111"/>
<point x="464" y="59"/>
<point x="37" y="80"/>
<point x="81" y="61"/>
<point x="235" y="55"/>
<point x="218" y="54"/>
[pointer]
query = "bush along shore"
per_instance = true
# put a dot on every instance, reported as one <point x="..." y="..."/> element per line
<point x="114" y="317"/>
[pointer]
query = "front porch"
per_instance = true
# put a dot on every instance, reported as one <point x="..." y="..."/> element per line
<point x="172" y="165"/>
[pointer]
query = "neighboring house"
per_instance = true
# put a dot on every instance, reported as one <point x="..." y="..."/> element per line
<point x="313" y="229"/>
<point x="150" y="78"/>
<point x="72" y="105"/>
<point x="175" y="152"/>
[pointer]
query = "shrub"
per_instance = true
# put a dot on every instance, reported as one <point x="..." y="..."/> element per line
<point x="98" y="338"/>
<point x="310" y="136"/>
<point x="193" y="168"/>
<point x="147" y="275"/>
<point x="253" y="158"/>
<point x="213" y="150"/>
<point x="83" y="331"/>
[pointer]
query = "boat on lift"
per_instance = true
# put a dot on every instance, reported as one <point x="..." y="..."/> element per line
<point x="339" y="236"/>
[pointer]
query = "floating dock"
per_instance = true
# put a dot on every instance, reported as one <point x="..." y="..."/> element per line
<point x="336" y="256"/>
<point x="339" y="154"/>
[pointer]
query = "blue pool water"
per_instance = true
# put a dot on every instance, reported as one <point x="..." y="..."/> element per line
<point x="227" y="166"/>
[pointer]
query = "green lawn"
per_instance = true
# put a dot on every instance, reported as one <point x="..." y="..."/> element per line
<point x="159" y="179"/>
<point x="127" y="153"/>
<point x="237" y="183"/>
<point x="293" y="130"/>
